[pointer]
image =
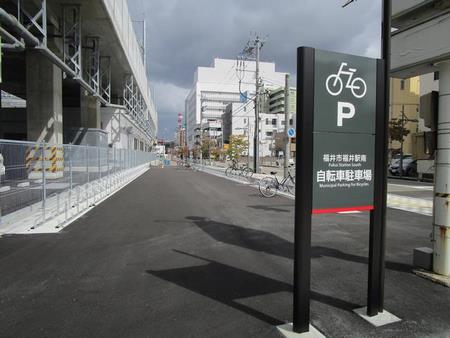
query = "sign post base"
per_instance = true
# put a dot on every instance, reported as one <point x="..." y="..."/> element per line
<point x="381" y="319"/>
<point x="287" y="330"/>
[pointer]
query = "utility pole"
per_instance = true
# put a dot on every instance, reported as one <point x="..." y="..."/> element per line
<point x="248" y="142"/>
<point x="201" y="135"/>
<point x="402" y="141"/>
<point x="253" y="49"/>
<point x="287" y="150"/>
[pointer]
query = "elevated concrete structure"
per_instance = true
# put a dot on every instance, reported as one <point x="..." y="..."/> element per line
<point x="419" y="41"/>
<point x="420" y="45"/>
<point x="44" y="99"/>
<point x="74" y="63"/>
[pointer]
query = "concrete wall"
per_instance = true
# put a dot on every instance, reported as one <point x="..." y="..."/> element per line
<point x="121" y="130"/>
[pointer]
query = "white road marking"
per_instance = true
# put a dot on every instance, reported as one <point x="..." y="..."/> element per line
<point x="420" y="187"/>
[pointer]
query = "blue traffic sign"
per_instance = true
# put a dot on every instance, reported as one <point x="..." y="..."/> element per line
<point x="291" y="132"/>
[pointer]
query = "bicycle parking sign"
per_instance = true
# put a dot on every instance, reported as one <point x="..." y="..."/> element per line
<point x="340" y="156"/>
<point x="344" y="132"/>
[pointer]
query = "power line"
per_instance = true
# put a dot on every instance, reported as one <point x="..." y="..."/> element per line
<point x="348" y="3"/>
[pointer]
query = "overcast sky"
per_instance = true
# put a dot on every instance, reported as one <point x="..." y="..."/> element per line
<point x="185" y="34"/>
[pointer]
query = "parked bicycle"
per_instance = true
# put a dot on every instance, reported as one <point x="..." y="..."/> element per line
<point x="235" y="170"/>
<point x="183" y="164"/>
<point x="269" y="186"/>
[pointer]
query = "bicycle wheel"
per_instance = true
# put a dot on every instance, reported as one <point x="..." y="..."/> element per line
<point x="268" y="187"/>
<point x="334" y="89"/>
<point x="359" y="88"/>
<point x="290" y="186"/>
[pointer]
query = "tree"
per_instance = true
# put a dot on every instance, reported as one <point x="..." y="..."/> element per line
<point x="280" y="139"/>
<point x="397" y="130"/>
<point x="238" y="145"/>
<point x="183" y="151"/>
<point x="196" y="151"/>
<point x="216" y="153"/>
<point x="207" y="145"/>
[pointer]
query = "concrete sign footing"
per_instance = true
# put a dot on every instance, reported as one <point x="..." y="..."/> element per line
<point x="287" y="331"/>
<point x="383" y="318"/>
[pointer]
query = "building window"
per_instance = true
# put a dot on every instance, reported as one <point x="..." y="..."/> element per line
<point x="269" y="133"/>
<point x="436" y="76"/>
<point x="245" y="120"/>
<point x="267" y="122"/>
<point x="402" y="84"/>
<point x="291" y="122"/>
<point x="274" y="122"/>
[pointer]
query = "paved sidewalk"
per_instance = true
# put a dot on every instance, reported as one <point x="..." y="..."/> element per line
<point x="408" y="197"/>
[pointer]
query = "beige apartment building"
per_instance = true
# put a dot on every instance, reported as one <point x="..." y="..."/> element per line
<point x="405" y="103"/>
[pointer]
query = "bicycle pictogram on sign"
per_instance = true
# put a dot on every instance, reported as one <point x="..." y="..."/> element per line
<point x="335" y="82"/>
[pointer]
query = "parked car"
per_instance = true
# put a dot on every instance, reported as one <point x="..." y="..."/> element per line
<point x="280" y="163"/>
<point x="2" y="168"/>
<point x="409" y="166"/>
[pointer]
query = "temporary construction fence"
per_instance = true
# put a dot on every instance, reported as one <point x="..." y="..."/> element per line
<point x="53" y="183"/>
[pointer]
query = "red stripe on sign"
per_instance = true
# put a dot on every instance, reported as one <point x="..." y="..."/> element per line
<point x="336" y="210"/>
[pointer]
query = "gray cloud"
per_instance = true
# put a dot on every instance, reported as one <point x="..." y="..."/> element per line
<point x="184" y="34"/>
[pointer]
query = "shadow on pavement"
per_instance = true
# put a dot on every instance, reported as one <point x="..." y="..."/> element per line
<point x="227" y="284"/>
<point x="274" y="208"/>
<point x="267" y="242"/>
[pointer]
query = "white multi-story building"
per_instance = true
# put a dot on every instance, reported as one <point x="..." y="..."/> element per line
<point x="239" y="119"/>
<point x="217" y="86"/>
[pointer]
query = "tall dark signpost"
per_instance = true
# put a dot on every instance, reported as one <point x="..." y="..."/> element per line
<point x="340" y="149"/>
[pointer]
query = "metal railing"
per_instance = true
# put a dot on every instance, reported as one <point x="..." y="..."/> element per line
<point x="121" y="19"/>
<point x="53" y="183"/>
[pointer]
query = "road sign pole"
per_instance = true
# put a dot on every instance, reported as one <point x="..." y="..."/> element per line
<point x="375" y="290"/>
<point x="303" y="201"/>
<point x="287" y="150"/>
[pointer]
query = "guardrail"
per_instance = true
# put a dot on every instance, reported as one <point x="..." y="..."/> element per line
<point x="53" y="183"/>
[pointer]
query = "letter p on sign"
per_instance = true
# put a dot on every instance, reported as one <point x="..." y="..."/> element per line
<point x="345" y="110"/>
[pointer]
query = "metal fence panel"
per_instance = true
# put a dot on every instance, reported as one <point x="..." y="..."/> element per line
<point x="42" y="181"/>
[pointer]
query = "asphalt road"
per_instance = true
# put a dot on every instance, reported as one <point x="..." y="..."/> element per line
<point x="179" y="253"/>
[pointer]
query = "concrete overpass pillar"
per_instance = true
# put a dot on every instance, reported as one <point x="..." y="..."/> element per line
<point x="90" y="111"/>
<point x="44" y="99"/>
<point x="441" y="226"/>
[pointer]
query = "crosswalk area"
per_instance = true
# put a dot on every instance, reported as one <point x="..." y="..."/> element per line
<point x="411" y="204"/>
